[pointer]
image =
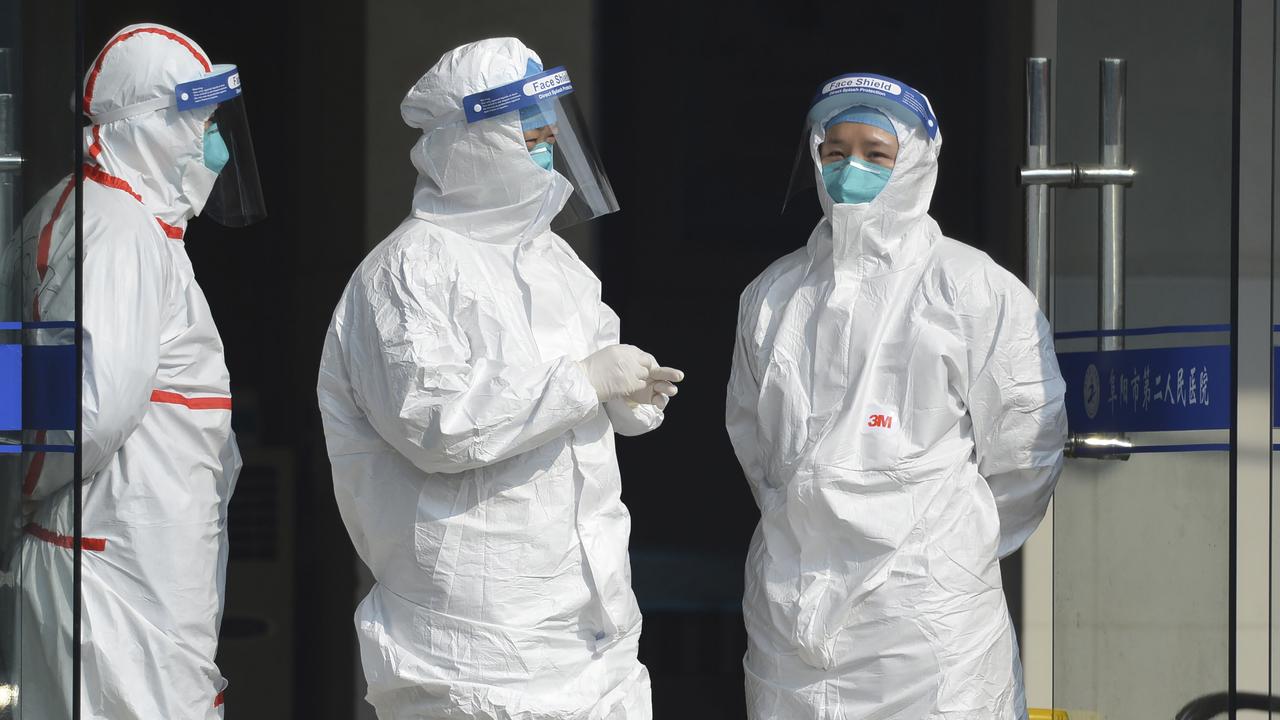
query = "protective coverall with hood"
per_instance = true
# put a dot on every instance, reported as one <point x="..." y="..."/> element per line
<point x="159" y="456"/>
<point x="896" y="406"/>
<point x="473" y="462"/>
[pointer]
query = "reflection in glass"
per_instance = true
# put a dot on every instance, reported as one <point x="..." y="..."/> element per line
<point x="38" y="354"/>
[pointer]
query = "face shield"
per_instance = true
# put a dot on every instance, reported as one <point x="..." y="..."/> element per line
<point x="555" y="134"/>
<point x="896" y="100"/>
<point x="236" y="199"/>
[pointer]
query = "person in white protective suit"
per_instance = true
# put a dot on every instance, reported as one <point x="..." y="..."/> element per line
<point x="167" y="140"/>
<point x="471" y="385"/>
<point x="896" y="406"/>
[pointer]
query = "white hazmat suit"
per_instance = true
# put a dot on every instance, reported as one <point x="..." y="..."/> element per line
<point x="896" y="406"/>
<point x="473" y="462"/>
<point x="159" y="456"/>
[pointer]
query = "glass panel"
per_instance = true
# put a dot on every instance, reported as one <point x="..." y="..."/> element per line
<point x="1274" y="619"/>
<point x="38" y="311"/>
<point x="10" y="467"/>
<point x="1141" y="546"/>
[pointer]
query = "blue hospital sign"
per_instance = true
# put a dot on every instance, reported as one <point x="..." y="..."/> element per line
<point x="10" y="387"/>
<point x="50" y="380"/>
<point x="1148" y="390"/>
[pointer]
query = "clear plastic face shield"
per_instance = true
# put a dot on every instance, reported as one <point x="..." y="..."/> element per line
<point x="896" y="100"/>
<point x="236" y="199"/>
<point x="555" y="134"/>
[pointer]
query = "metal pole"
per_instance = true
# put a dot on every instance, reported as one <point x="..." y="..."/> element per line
<point x="10" y="164"/>
<point x="1111" y="103"/>
<point x="6" y="70"/>
<point x="1036" y="204"/>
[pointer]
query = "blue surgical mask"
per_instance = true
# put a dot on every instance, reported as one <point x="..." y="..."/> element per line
<point x="542" y="154"/>
<point x="854" y="181"/>
<point x="216" y="154"/>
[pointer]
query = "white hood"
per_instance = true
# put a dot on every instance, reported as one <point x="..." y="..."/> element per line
<point x="894" y="228"/>
<point x="160" y="153"/>
<point x="477" y="179"/>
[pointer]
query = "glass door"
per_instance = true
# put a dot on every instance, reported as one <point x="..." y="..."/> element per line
<point x="1142" y="281"/>
<point x="40" y="543"/>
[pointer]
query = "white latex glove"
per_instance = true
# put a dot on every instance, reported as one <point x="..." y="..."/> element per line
<point x="618" y="371"/>
<point x="660" y="388"/>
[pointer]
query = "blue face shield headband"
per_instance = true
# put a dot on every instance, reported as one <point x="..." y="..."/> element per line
<point x="895" y="99"/>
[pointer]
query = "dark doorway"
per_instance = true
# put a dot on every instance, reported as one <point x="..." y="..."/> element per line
<point x="701" y="106"/>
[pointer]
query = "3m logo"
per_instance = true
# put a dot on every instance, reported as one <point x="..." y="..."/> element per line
<point x="880" y="421"/>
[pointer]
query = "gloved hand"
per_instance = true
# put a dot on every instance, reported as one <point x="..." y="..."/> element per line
<point x="660" y="389"/>
<point x="618" y="371"/>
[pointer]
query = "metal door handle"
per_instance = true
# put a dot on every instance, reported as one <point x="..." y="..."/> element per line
<point x="1036" y="194"/>
<point x="10" y="160"/>
<point x="1110" y="176"/>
